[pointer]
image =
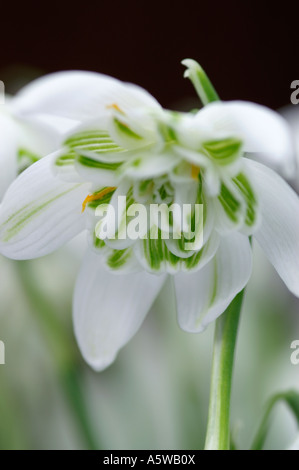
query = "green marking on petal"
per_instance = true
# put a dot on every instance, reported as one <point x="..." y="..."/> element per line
<point x="137" y="162"/>
<point x="172" y="259"/>
<point x="26" y="158"/>
<point x="92" y="163"/>
<point x="153" y="253"/>
<point x="157" y="254"/>
<point x="229" y="203"/>
<point x="124" y="219"/>
<point x="118" y="258"/>
<point x="125" y="130"/>
<point x="245" y="188"/>
<point x="15" y="214"/>
<point x="193" y="260"/>
<point x="167" y="133"/>
<point x="130" y="198"/>
<point x="101" y="147"/>
<point x="95" y="141"/>
<point x="223" y="151"/>
<point x="82" y="136"/>
<point x="105" y="199"/>
<point x="145" y="185"/>
<point x="98" y="242"/>
<point x="66" y="159"/>
<point x="27" y="213"/>
<point x="215" y="283"/>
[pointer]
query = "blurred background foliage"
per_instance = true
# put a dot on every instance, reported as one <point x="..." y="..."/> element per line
<point x="155" y="396"/>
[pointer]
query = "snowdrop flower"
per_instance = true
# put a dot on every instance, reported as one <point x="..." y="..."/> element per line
<point x="19" y="146"/>
<point x="26" y="134"/>
<point x="22" y="143"/>
<point x="127" y="145"/>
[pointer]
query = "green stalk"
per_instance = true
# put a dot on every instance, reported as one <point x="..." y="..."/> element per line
<point x="226" y="329"/>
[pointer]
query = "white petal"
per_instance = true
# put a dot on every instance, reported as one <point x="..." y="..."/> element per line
<point x="109" y="309"/>
<point x="37" y="137"/>
<point x="278" y="234"/>
<point x="39" y="213"/>
<point x="8" y="152"/>
<point x="116" y="261"/>
<point x="59" y="124"/>
<point x="79" y="95"/>
<point x="148" y="165"/>
<point x="26" y="135"/>
<point x="262" y="130"/>
<point x="202" y="296"/>
<point x="98" y="176"/>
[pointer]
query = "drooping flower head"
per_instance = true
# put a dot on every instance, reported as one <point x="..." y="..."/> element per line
<point x="136" y="150"/>
<point x="127" y="148"/>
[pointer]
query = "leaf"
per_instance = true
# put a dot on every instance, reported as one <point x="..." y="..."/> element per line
<point x="291" y="398"/>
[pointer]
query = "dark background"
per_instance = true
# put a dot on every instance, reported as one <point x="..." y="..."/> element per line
<point x="250" y="51"/>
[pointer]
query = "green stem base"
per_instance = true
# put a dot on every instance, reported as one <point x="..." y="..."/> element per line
<point x="218" y="430"/>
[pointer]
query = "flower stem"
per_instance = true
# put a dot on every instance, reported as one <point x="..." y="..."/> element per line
<point x="218" y="430"/>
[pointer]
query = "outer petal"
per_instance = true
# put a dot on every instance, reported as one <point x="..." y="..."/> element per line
<point x="20" y="140"/>
<point x="79" y="95"/>
<point x="202" y="296"/>
<point x="8" y="150"/>
<point x="43" y="134"/>
<point x="278" y="234"/>
<point x="262" y="130"/>
<point x="109" y="309"/>
<point x="37" y="138"/>
<point x="39" y="213"/>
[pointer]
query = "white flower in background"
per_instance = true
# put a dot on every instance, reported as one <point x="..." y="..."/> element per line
<point x="22" y="143"/>
<point x="291" y="114"/>
<point x="26" y="134"/>
<point x="127" y="145"/>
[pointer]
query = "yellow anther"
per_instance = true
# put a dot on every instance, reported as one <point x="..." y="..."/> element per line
<point x="116" y="107"/>
<point x="97" y="196"/>
<point x="195" y="170"/>
<point x="119" y="110"/>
